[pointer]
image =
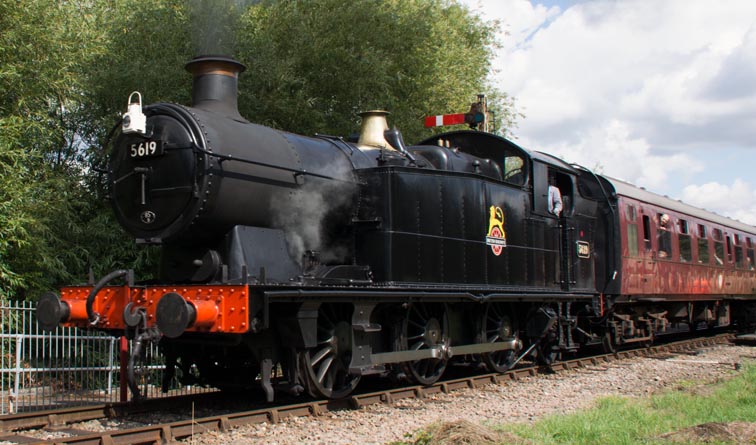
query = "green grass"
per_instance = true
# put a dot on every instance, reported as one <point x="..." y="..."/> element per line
<point x="619" y="420"/>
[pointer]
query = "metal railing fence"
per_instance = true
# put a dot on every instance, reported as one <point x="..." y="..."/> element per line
<point x="68" y="367"/>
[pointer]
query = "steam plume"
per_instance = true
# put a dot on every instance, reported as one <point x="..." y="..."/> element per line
<point x="214" y="24"/>
<point x="302" y="214"/>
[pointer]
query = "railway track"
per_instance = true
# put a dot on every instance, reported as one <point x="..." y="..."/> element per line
<point x="60" y="421"/>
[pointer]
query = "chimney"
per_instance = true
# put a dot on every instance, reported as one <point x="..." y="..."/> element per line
<point x="214" y="85"/>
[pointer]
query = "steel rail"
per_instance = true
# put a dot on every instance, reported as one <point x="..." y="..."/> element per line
<point x="166" y="433"/>
<point x="58" y="418"/>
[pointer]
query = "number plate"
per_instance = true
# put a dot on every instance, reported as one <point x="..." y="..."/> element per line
<point x="146" y="149"/>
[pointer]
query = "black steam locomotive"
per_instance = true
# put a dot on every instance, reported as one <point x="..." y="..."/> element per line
<point x="312" y="261"/>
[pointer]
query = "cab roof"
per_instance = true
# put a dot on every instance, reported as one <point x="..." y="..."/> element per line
<point x="479" y="143"/>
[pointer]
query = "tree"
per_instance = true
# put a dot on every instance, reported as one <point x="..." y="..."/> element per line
<point x="146" y="47"/>
<point x="52" y="225"/>
<point x="313" y="65"/>
<point x="36" y="67"/>
<point x="67" y="68"/>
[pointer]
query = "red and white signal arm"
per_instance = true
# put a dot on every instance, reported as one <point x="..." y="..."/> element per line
<point x="444" y="119"/>
<point x="454" y="119"/>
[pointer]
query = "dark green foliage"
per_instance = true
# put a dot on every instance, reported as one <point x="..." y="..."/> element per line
<point x="54" y="224"/>
<point x="314" y="65"/>
<point x="67" y="69"/>
<point x="40" y="52"/>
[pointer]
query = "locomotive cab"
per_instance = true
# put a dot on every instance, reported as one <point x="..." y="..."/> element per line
<point x="480" y="187"/>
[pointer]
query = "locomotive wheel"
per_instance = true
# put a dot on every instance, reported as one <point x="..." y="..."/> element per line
<point x="426" y="326"/>
<point x="546" y="355"/>
<point x="326" y="366"/>
<point x="608" y="343"/>
<point x="498" y="325"/>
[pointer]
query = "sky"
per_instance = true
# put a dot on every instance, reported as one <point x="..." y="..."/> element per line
<point x="660" y="93"/>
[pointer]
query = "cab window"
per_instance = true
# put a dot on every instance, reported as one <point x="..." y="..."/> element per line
<point x="514" y="169"/>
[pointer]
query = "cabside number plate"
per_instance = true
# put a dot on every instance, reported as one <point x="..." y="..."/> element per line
<point x="146" y="149"/>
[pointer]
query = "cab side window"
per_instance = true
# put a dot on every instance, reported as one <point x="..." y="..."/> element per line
<point x="559" y="193"/>
<point x="514" y="169"/>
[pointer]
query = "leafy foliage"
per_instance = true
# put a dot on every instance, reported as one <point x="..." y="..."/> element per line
<point x="52" y="224"/>
<point x="67" y="68"/>
<point x="36" y="68"/>
<point x="315" y="64"/>
<point x="144" y="48"/>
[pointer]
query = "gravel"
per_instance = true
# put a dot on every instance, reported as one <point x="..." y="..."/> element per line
<point x="525" y="400"/>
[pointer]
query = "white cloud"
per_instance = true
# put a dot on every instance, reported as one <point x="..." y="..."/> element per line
<point x="740" y="203"/>
<point x="519" y="19"/>
<point x="645" y="62"/>
<point x="658" y="93"/>
<point x="610" y="149"/>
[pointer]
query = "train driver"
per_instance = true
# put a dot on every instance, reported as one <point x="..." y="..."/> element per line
<point x="555" y="196"/>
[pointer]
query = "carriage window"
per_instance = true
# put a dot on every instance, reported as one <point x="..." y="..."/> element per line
<point x="683" y="226"/>
<point x="718" y="246"/>
<point x="729" y="248"/>
<point x="718" y="252"/>
<point x="647" y="232"/>
<point x="703" y="250"/>
<point x="632" y="239"/>
<point x="740" y="260"/>
<point x="664" y="235"/>
<point x="703" y="245"/>
<point x="750" y="260"/>
<point x="686" y="252"/>
<point x="749" y="243"/>
<point x="630" y="213"/>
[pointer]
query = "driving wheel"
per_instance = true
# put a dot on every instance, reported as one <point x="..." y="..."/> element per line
<point x="498" y="324"/>
<point x="326" y="366"/>
<point x="426" y="326"/>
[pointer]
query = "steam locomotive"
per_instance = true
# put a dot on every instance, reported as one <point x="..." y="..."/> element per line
<point x="304" y="263"/>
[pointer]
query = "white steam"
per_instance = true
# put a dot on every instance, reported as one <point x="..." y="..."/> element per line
<point x="303" y="212"/>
